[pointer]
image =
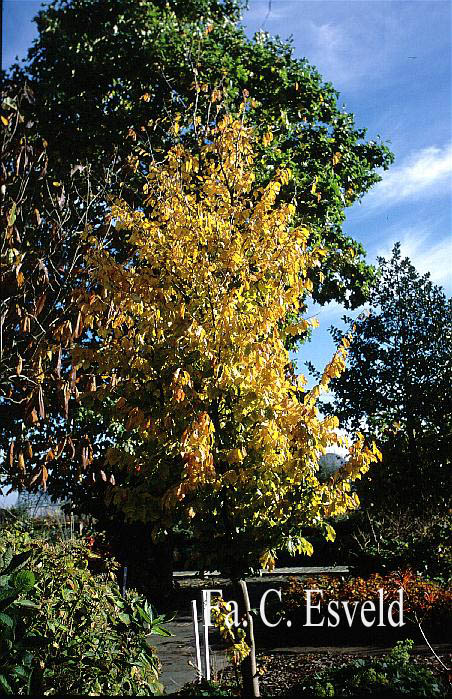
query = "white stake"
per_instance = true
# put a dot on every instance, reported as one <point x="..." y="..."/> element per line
<point x="206" y="620"/>
<point x="194" y="608"/>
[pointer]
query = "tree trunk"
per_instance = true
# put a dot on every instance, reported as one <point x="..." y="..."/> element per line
<point x="248" y="668"/>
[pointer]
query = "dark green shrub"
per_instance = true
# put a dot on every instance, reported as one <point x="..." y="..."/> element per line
<point x="206" y="688"/>
<point x="391" y="676"/>
<point x="382" y="541"/>
<point x="17" y="641"/>
<point x="98" y="640"/>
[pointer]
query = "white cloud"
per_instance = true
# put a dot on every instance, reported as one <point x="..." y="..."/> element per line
<point x="360" y="45"/>
<point x="334" y="51"/>
<point x="328" y="311"/>
<point x="259" y="12"/>
<point x="424" y="172"/>
<point x="330" y="39"/>
<point x="345" y="47"/>
<point x="357" y="41"/>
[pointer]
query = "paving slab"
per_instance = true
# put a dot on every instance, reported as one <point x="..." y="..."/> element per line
<point x="176" y="654"/>
<point x="178" y="657"/>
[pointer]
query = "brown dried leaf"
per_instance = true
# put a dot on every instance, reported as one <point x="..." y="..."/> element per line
<point x="21" y="462"/>
<point x="40" y="304"/>
<point x="66" y="397"/>
<point x="11" y="452"/>
<point x="25" y="324"/>
<point x="73" y="377"/>
<point x="45" y="475"/>
<point x="35" y="475"/>
<point x="58" y="366"/>
<point x="70" y="443"/>
<point x="33" y="418"/>
<point x="78" y="327"/>
<point x="29" y="450"/>
<point x="42" y="412"/>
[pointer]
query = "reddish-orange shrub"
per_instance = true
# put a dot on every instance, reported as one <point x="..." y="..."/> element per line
<point x="423" y="599"/>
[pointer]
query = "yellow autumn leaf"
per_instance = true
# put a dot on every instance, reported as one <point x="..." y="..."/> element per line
<point x="194" y="321"/>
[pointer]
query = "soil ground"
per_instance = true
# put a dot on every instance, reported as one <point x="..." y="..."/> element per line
<point x="283" y="668"/>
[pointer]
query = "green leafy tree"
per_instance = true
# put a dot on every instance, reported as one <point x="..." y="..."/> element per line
<point x="397" y="389"/>
<point x="103" y="70"/>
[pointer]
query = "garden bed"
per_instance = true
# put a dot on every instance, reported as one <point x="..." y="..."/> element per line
<point x="283" y="669"/>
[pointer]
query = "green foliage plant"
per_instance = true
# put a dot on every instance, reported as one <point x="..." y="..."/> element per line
<point x="99" y="642"/>
<point x="375" y="540"/>
<point x="105" y="70"/>
<point x="207" y="688"/>
<point x="17" y="641"/>
<point x="392" y="675"/>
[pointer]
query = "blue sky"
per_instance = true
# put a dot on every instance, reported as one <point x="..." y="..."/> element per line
<point x="391" y="62"/>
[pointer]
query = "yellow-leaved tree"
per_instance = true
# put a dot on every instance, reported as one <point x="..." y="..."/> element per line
<point x="220" y="432"/>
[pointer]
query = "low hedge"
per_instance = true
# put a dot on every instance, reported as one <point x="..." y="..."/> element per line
<point x="425" y="602"/>
<point x="93" y="641"/>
